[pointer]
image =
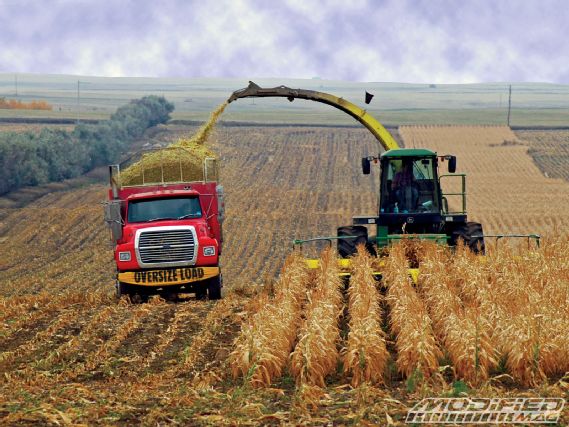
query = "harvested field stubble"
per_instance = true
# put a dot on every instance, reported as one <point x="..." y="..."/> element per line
<point x="506" y="191"/>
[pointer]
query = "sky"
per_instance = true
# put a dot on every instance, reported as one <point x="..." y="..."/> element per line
<point x="415" y="41"/>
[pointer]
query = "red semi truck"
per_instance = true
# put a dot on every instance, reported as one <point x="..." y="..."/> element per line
<point x="167" y="236"/>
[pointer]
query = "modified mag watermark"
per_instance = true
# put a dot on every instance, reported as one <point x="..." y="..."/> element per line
<point x="516" y="410"/>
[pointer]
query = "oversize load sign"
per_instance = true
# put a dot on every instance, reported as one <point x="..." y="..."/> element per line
<point x="168" y="276"/>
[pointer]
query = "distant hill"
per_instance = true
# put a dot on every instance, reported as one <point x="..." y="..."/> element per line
<point x="394" y="103"/>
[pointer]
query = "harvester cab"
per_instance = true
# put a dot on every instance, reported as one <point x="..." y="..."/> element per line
<point x="411" y="200"/>
<point x="410" y="193"/>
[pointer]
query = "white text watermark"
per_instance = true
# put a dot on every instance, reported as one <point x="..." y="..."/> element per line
<point x="463" y="410"/>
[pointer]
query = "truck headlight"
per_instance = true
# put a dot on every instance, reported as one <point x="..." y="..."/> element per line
<point x="124" y="256"/>
<point x="209" y="250"/>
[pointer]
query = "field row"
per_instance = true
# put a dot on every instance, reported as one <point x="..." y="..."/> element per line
<point x="506" y="191"/>
<point x="78" y="350"/>
<point x="549" y="150"/>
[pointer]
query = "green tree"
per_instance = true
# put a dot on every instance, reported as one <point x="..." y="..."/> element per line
<point x="54" y="155"/>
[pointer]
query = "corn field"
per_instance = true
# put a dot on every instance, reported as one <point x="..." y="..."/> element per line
<point x="468" y="309"/>
<point x="286" y="335"/>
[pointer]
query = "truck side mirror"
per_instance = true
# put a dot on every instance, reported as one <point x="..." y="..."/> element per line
<point x="114" y="172"/>
<point x="220" y="203"/>
<point x="366" y="166"/>
<point x="113" y="218"/>
<point x="452" y="164"/>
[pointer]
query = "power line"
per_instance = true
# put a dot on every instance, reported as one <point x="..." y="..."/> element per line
<point x="509" y="104"/>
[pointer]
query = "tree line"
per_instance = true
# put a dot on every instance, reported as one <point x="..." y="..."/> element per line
<point x="14" y="104"/>
<point x="54" y="154"/>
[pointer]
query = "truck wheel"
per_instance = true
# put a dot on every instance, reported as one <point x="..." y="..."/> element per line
<point x="201" y="291"/>
<point x="348" y="247"/>
<point x="123" y="289"/>
<point x="214" y="288"/>
<point x="468" y="234"/>
<point x="120" y="289"/>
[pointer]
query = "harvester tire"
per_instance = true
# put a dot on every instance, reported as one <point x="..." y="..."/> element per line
<point x="467" y="233"/>
<point x="214" y="288"/>
<point x="348" y="247"/>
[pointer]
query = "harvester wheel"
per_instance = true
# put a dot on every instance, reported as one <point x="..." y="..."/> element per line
<point x="468" y="233"/>
<point x="348" y="247"/>
<point x="214" y="288"/>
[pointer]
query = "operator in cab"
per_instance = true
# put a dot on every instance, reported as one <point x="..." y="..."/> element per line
<point x="405" y="188"/>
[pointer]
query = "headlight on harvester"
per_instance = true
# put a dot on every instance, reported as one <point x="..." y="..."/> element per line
<point x="209" y="250"/>
<point x="124" y="256"/>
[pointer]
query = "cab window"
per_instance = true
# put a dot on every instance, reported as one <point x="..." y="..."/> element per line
<point x="168" y="208"/>
<point x="408" y="186"/>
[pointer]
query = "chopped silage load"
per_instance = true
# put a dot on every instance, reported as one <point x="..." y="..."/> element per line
<point x="187" y="154"/>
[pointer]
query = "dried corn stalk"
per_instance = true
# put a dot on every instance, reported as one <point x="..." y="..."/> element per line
<point x="316" y="354"/>
<point x="365" y="355"/>
<point x="462" y="328"/>
<point x="529" y="292"/>
<point x="417" y="348"/>
<point x="263" y="347"/>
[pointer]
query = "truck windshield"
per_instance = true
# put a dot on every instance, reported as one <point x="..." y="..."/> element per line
<point x="166" y="208"/>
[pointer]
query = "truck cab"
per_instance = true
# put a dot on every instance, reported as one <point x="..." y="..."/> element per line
<point x="167" y="236"/>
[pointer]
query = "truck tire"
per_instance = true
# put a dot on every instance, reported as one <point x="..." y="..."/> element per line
<point x="467" y="233"/>
<point x="201" y="291"/>
<point x="348" y="247"/>
<point x="214" y="288"/>
<point x="121" y="289"/>
<point x="124" y="289"/>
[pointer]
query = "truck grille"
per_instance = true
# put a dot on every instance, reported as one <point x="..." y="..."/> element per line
<point x="167" y="246"/>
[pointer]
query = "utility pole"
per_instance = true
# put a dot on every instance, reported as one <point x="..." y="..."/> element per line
<point x="78" y="98"/>
<point x="16" y="84"/>
<point x="509" y="105"/>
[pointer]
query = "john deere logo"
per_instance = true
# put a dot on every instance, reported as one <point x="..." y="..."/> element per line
<point x="410" y="220"/>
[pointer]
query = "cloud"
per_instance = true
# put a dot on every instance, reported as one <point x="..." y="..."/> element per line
<point x="411" y="41"/>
